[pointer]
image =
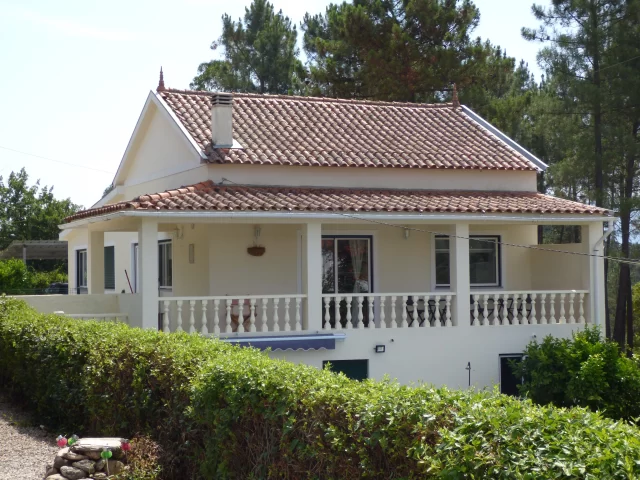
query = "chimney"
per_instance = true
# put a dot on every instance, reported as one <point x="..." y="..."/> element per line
<point x="221" y="120"/>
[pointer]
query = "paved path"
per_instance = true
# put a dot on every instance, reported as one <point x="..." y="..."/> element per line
<point x="25" y="450"/>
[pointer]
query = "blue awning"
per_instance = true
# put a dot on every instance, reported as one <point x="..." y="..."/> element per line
<point x="289" y="342"/>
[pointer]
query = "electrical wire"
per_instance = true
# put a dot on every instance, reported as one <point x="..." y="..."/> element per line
<point x="628" y="261"/>
<point x="56" y="161"/>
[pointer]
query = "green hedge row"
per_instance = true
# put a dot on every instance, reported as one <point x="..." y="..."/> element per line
<point x="224" y="412"/>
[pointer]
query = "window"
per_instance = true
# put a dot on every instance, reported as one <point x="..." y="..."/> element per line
<point x="165" y="264"/>
<point x="109" y="268"/>
<point x="81" y="269"/>
<point x="346" y="264"/>
<point x="353" y="369"/>
<point x="484" y="261"/>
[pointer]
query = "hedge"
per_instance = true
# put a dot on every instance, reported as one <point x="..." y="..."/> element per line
<point x="220" y="411"/>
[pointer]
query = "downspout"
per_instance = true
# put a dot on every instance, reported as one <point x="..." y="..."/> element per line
<point x="594" y="259"/>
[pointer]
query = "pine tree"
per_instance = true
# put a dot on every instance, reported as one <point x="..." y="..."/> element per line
<point x="260" y="54"/>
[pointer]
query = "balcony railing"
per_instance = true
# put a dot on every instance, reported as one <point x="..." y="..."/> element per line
<point x="500" y="308"/>
<point x="232" y="314"/>
<point x="220" y="315"/>
<point x="387" y="310"/>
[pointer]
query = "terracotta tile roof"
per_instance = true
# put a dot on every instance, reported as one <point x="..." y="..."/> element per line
<point x="289" y="130"/>
<point x="211" y="197"/>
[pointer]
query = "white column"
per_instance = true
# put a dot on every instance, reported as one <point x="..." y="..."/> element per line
<point x="459" y="247"/>
<point x="312" y="276"/>
<point x="148" y="273"/>
<point x="597" y="311"/>
<point x="95" y="262"/>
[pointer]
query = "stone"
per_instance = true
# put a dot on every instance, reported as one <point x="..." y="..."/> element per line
<point x="73" y="456"/>
<point x="92" y="455"/>
<point x="72" y="473"/>
<point x="87" y="466"/>
<point x="100" y="476"/>
<point x="114" y="467"/>
<point x="99" y="465"/>
<point x="60" y="461"/>
<point x="92" y="446"/>
<point x="50" y="471"/>
<point x="56" y="476"/>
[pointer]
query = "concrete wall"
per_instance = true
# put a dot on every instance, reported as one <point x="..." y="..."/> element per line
<point x="432" y="355"/>
<point x="554" y="271"/>
<point x="406" y="178"/>
<point x="83" y="304"/>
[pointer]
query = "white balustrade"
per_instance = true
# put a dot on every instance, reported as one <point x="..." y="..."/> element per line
<point x="386" y="310"/>
<point x="248" y="314"/>
<point x="527" y="308"/>
<point x="233" y="314"/>
<point x="101" y="317"/>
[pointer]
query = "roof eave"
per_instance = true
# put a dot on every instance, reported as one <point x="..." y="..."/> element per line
<point x="184" y="215"/>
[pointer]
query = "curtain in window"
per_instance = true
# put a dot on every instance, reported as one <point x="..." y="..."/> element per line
<point x="358" y="251"/>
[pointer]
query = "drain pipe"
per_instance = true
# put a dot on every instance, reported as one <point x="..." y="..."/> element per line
<point x="594" y="280"/>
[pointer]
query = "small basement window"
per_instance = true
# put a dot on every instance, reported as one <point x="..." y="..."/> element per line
<point x="353" y="369"/>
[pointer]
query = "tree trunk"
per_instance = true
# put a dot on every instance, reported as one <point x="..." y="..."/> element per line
<point x="629" y="320"/>
<point x="619" y="326"/>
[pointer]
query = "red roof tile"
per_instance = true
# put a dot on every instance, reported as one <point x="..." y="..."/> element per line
<point x="289" y="130"/>
<point x="208" y="196"/>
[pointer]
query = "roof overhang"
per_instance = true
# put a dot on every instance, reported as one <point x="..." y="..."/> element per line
<point x="539" y="164"/>
<point x="172" y="216"/>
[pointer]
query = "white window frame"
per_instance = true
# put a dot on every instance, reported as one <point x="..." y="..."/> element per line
<point x="85" y="270"/>
<point x="485" y="236"/>
<point x="162" y="272"/>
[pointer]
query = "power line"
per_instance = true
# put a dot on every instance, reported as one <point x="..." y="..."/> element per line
<point x="56" y="161"/>
<point x="628" y="261"/>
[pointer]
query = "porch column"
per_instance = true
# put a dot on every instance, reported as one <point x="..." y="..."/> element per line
<point x="95" y="262"/>
<point x="312" y="276"/>
<point x="597" y="310"/>
<point x="148" y="274"/>
<point x="459" y="277"/>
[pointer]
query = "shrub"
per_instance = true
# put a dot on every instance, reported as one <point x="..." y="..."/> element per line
<point x="582" y="371"/>
<point x="219" y="411"/>
<point x="18" y="279"/>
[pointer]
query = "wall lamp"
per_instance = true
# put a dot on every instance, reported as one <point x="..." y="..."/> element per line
<point x="380" y="348"/>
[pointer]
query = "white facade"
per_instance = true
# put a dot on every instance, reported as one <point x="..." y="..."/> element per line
<point x="431" y="331"/>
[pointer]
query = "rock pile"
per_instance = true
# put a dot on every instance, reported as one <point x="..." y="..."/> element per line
<point x="84" y="460"/>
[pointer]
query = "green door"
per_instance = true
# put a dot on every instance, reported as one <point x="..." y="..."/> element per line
<point x="353" y="369"/>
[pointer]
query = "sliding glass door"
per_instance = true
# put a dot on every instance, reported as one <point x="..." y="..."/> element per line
<point x="346" y="271"/>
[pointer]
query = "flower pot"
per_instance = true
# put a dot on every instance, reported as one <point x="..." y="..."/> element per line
<point x="256" y="251"/>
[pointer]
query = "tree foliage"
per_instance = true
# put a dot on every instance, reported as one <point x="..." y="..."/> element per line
<point x="30" y="212"/>
<point x="260" y="54"/>
<point x="412" y="50"/>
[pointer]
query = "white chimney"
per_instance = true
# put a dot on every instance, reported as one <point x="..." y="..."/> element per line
<point x="222" y="120"/>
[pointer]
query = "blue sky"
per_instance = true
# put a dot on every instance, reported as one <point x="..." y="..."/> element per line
<point x="75" y="74"/>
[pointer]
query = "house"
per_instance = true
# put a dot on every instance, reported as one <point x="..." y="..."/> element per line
<point x="385" y="238"/>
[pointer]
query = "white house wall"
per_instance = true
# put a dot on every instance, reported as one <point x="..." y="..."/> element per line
<point x="160" y="150"/>
<point x="404" y="178"/>
<point x="432" y="355"/>
<point x="234" y="272"/>
<point x="222" y="265"/>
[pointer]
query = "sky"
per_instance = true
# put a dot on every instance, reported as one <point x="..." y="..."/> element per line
<point x="75" y="74"/>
